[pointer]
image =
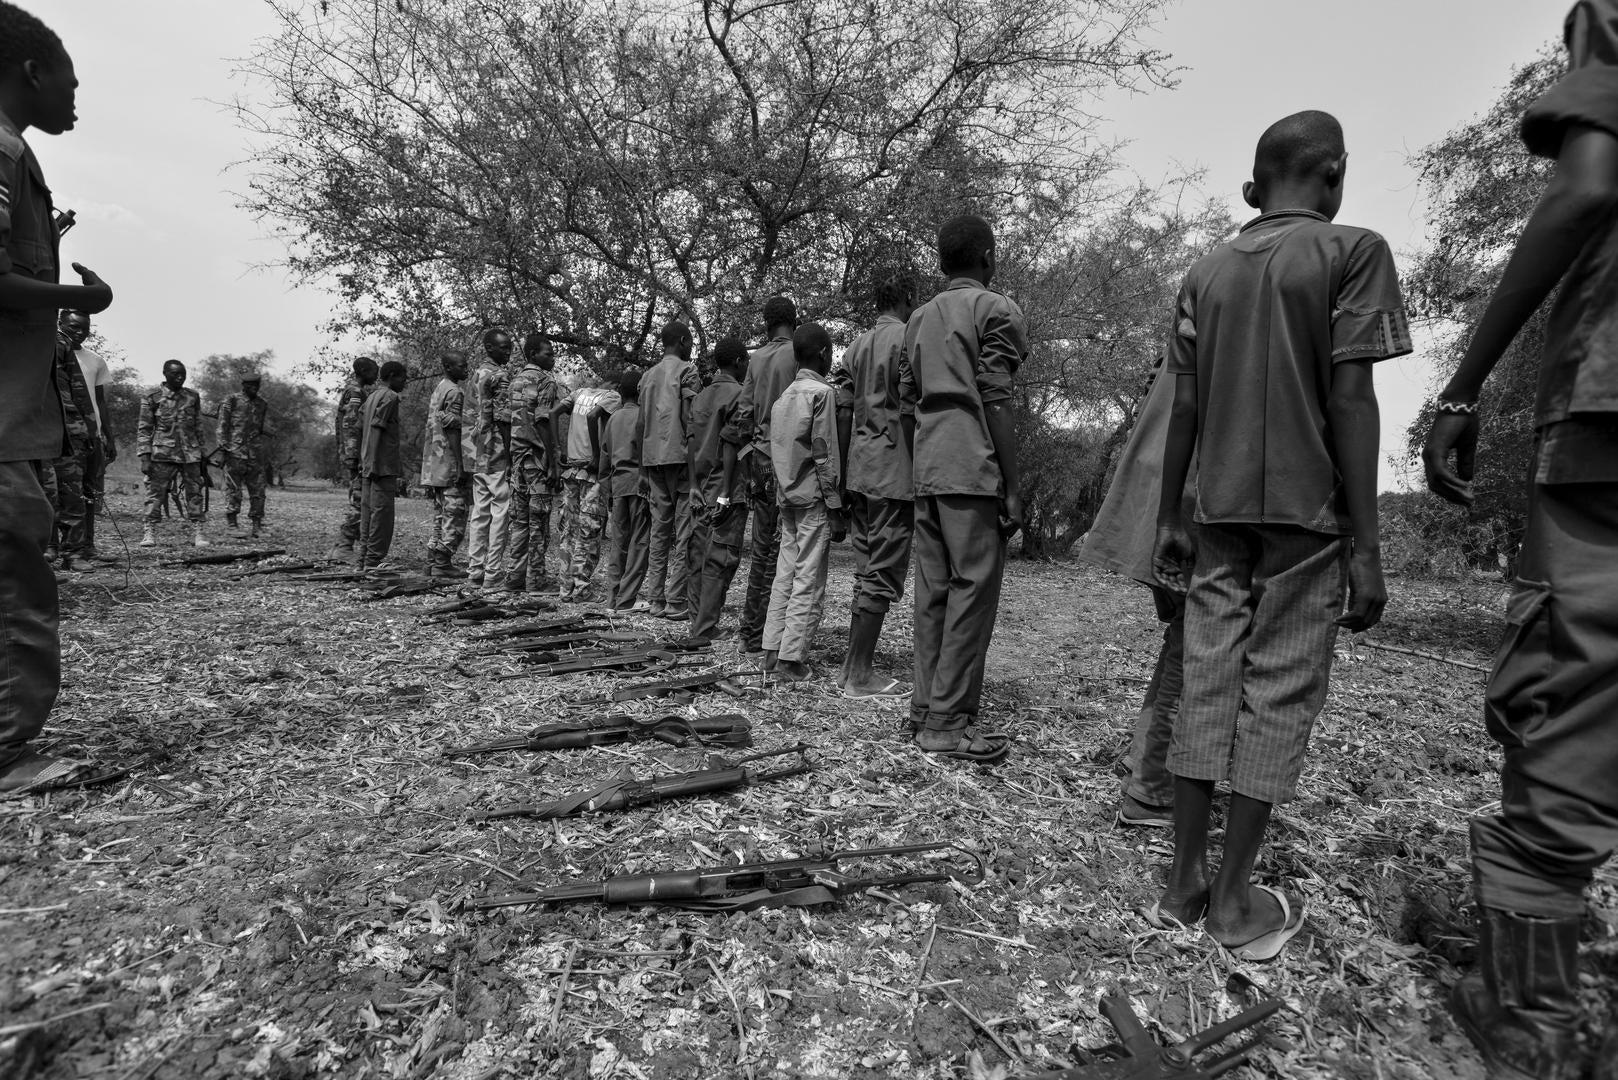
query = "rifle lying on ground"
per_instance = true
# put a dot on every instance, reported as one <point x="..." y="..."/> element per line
<point x="480" y="609"/>
<point x="1140" y="1058"/>
<point x="410" y="586"/>
<point x="654" y="656"/>
<point x="623" y="792"/>
<point x="676" y="688"/>
<point x="221" y="558"/>
<point x="542" y="626"/>
<point x="285" y="568"/>
<point x="541" y="650"/>
<point x="728" y="730"/>
<point x="342" y="576"/>
<point x="752" y="886"/>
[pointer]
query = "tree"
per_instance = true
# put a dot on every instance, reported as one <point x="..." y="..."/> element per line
<point x="595" y="168"/>
<point x="298" y="417"/>
<point x="1481" y="185"/>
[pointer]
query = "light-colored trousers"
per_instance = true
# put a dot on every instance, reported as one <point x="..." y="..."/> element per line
<point x="798" y="595"/>
<point x="488" y="524"/>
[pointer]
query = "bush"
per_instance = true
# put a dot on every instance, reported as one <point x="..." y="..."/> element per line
<point x="1424" y="536"/>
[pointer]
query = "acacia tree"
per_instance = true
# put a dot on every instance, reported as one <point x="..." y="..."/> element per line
<point x="596" y="167"/>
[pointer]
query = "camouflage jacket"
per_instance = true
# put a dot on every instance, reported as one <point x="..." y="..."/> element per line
<point x="442" y="462"/>
<point x="243" y="426"/>
<point x="170" y="425"/>
<point x="349" y="428"/>
<point x="529" y="401"/>
<point x="488" y="398"/>
<point x="78" y="407"/>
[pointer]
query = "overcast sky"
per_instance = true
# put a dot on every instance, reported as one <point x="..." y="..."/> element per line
<point x="149" y="167"/>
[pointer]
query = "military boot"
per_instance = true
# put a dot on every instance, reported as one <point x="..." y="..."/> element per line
<point x="439" y="566"/>
<point x="256" y="527"/>
<point x="1521" y="1008"/>
<point x="231" y="522"/>
<point x="148" y="536"/>
<point x="197" y="539"/>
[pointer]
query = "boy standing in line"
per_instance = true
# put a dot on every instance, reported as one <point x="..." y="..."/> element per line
<point x="492" y="467"/>
<point x="770" y="371"/>
<point x="79" y="416"/>
<point x="104" y="451"/>
<point x="666" y="395"/>
<point x="1552" y="701"/>
<point x="350" y="433"/>
<point x="379" y="465"/>
<point x="584" y="503"/>
<point x="804" y="448"/>
<point x="1274" y="337"/>
<point x="532" y="393"/>
<point x="630" y="522"/>
<point x="961" y="350"/>
<point x="243" y="427"/>
<point x="719" y="512"/>
<point x="168" y="441"/>
<point x="881" y="492"/>
<point x="443" y="466"/>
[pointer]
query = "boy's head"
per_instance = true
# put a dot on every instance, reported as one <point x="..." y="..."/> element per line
<point x="730" y="355"/>
<point x="966" y="248"/>
<point x="37" y="82"/>
<point x="629" y="384"/>
<point x="1300" y="164"/>
<point x="539" y="350"/>
<point x="76" y="325"/>
<point x="893" y="289"/>
<point x="454" y="364"/>
<point x="780" y="316"/>
<point x="251" y="382"/>
<point x="496" y="344"/>
<point x="395" y="375"/>
<point x="1591" y="34"/>
<point x="365" y="370"/>
<point x="811" y="347"/>
<point x="174" y="374"/>
<point x="677" y="339"/>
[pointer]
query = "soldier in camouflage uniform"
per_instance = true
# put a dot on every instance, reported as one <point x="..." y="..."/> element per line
<point x="349" y="430"/>
<point x="584" y="503"/>
<point x="78" y="412"/>
<point x="490" y="519"/>
<point x="242" y="434"/>
<point x="444" y="470"/>
<point x="169" y="442"/>
<point x="530" y="398"/>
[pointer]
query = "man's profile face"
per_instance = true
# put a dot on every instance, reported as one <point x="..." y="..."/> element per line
<point x="54" y="84"/>
<point x="174" y="374"/>
<point x="455" y="367"/>
<point x="542" y="355"/>
<point x="76" y="327"/>
<point x="499" y="348"/>
<point x="367" y="374"/>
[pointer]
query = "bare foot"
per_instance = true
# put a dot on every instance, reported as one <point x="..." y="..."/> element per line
<point x="1236" y="924"/>
<point x="1186" y="903"/>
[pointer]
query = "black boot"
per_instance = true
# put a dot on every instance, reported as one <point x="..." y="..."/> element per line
<point x="1521" y="1008"/>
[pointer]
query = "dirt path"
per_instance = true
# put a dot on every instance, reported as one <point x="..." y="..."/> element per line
<point x="276" y="894"/>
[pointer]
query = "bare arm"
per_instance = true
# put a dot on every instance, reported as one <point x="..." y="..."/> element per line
<point x="1356" y="430"/>
<point x="1173" y="549"/>
<point x="21" y="293"/>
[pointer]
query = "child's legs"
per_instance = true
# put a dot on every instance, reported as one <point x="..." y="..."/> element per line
<point x="494" y="560"/>
<point x="679" y="585"/>
<point x="636" y="540"/>
<point x="587" y="534"/>
<point x="363" y="534"/>
<point x="1150" y="781"/>
<point x="763" y="551"/>
<point x="932" y="595"/>
<point x="477" y="542"/>
<point x="520" y="524"/>
<point x="378" y="513"/>
<point x="859" y="534"/>
<point x="890" y="527"/>
<point x="722" y="555"/>
<point x="1218" y="619"/>
<point x="660" y="484"/>
<point x="435" y="539"/>
<point x="976" y="556"/>
<point x="159" y="474"/>
<point x="786" y="560"/>
<point x="456" y="499"/>
<point x="807" y="601"/>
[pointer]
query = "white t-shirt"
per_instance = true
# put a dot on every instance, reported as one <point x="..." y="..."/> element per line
<point x="95" y="374"/>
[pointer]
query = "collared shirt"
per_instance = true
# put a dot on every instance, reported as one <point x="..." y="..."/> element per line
<point x="243" y="423"/>
<point x="531" y="395"/>
<point x="961" y="349"/>
<point x="1261" y="321"/>
<point x="620" y="445"/>
<point x="878" y="458"/>
<point x="667" y="391"/>
<point x="170" y="427"/>
<point x="711" y="415"/>
<point x="379" y="448"/>
<point x="770" y="370"/>
<point x="1578" y="369"/>
<point x="487" y="397"/>
<point x="350" y="425"/>
<point x="441" y="460"/>
<point x="30" y="415"/>
<point x="78" y="404"/>
<point x="96" y="374"/>
<point x="803" y="443"/>
<point x="579" y="459"/>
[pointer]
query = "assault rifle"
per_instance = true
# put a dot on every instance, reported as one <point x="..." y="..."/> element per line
<point x="223" y="558"/>
<point x="285" y="568"/>
<point x="480" y="609"/>
<point x="625" y="791"/>
<point x="729" y="730"/>
<point x="542" y="626"/>
<point x="651" y="657"/>
<point x="1140" y="1058"/>
<point x="754" y="886"/>
<point x="541" y="650"/>
<point x="676" y="688"/>
<point x="413" y="586"/>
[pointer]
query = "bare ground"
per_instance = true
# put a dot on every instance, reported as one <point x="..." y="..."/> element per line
<point x="275" y="893"/>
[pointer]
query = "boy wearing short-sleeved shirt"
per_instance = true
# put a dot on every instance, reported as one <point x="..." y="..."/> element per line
<point x="718" y="512"/>
<point x="379" y="465"/>
<point x="629" y="523"/>
<point x="667" y="391"/>
<point x="1271" y="349"/>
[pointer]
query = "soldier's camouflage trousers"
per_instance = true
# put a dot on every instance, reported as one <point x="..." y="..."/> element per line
<point x="350" y="532"/>
<point x="245" y="472"/>
<point x="590" y="519"/>
<point x="529" y="536"/>
<point x="567" y="521"/>
<point x="68" y="500"/>
<point x="449" y="516"/>
<point x="163" y="473"/>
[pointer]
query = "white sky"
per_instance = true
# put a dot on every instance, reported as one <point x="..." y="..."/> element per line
<point x="148" y="168"/>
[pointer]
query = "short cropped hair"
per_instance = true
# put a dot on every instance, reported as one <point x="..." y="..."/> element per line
<point x="392" y="368"/>
<point x="809" y="340"/>
<point x="730" y="353"/>
<point x="493" y="332"/>
<point x="173" y="363"/>
<point x="892" y="286"/>
<point x="1296" y="147"/>
<point x="629" y="383"/>
<point x="533" y="340"/>
<point x="23" y="37"/>
<point x="364" y="364"/>
<point x="962" y="243"/>
<point x="779" y="311"/>
<point x="674" y="333"/>
<point x="452" y="354"/>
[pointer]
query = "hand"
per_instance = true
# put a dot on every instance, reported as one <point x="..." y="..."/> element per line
<point x="145" y="464"/>
<point x="839" y="525"/>
<point x="109" y="449"/>
<point x="1172" y="556"/>
<point x="98" y="295"/>
<point x="1011" y="515"/>
<point x="1456" y="432"/>
<point x="1367" y="596"/>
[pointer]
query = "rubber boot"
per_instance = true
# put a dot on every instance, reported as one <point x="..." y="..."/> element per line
<point x="1521" y="1008"/>
<point x="148" y="536"/>
<point x="197" y="539"/>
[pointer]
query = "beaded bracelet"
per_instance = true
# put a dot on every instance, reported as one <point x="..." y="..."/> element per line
<point x="1459" y="408"/>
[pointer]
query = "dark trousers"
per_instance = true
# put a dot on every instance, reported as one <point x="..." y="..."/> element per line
<point x="881" y="532"/>
<point x="668" y="565"/>
<point x="960" y="558"/>
<point x="762" y="553"/>
<point x="70" y="507"/>
<point x="1150" y="781"/>
<point x="629" y="526"/>
<point x="721" y="540"/>
<point x="30" y="654"/>
<point x="349" y="534"/>
<point x="376" y="518"/>
<point x="244" y="474"/>
<point x="1552" y="705"/>
<point x="94" y="478"/>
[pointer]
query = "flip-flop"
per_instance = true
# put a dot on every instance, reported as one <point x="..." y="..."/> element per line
<point x="61" y="774"/>
<point x="782" y="675"/>
<point x="893" y="688"/>
<point x="1268" y="946"/>
<point x="1157" y="821"/>
<point x="1155" y="917"/>
<point x="983" y="748"/>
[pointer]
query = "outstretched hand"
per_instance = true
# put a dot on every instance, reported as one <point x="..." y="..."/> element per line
<point x="98" y="294"/>
<point x="1367" y="595"/>
<point x="1455" y="433"/>
<point x="1173" y="555"/>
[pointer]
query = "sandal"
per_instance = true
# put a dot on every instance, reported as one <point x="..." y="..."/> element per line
<point x="1159" y="920"/>
<point x="1269" y="945"/>
<point x="984" y="748"/>
<point x="34" y="773"/>
<point x="892" y="688"/>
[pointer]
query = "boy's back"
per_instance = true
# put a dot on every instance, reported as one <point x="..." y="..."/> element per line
<point x="664" y="390"/>
<point x="1261" y="321"/>
<point x="621" y="441"/>
<point x="803" y="442"/>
